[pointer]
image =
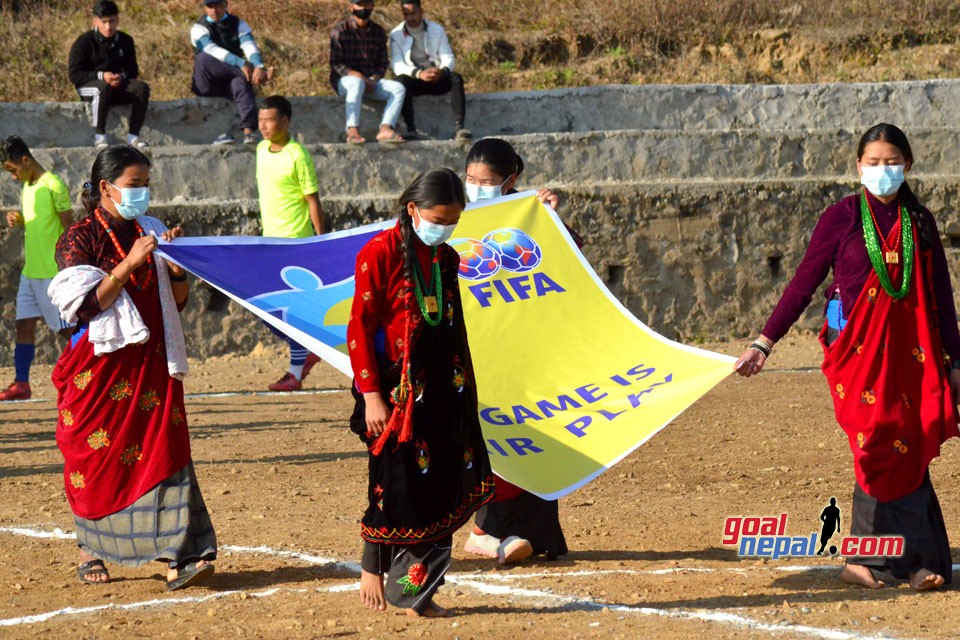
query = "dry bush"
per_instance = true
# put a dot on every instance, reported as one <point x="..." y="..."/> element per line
<point x="505" y="45"/>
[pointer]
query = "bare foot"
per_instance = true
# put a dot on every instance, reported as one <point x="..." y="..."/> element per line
<point x="431" y="611"/>
<point x="860" y="574"/>
<point x="173" y="574"/>
<point x="95" y="575"/>
<point x="354" y="137"/>
<point x="387" y="134"/>
<point x="371" y="590"/>
<point x="925" y="580"/>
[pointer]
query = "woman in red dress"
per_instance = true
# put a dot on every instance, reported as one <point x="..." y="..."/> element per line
<point x="416" y="400"/>
<point x="891" y="356"/>
<point x="122" y="427"/>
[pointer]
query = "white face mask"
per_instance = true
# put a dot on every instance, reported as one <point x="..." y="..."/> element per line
<point x="882" y="180"/>
<point x="478" y="192"/>
<point x="430" y="233"/>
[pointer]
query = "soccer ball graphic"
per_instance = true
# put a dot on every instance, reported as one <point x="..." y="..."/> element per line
<point x="477" y="260"/>
<point x="518" y="251"/>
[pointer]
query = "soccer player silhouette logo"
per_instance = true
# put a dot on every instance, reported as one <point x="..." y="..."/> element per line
<point x="830" y="517"/>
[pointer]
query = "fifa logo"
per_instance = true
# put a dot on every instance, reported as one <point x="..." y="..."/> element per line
<point x="509" y="250"/>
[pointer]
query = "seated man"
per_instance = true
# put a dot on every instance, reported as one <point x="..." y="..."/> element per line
<point x="227" y="64"/>
<point x="358" y="62"/>
<point x="423" y="62"/>
<point x="103" y="67"/>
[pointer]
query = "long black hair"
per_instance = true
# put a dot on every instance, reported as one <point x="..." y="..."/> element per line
<point x="429" y="189"/>
<point x="109" y="165"/>
<point x="497" y="154"/>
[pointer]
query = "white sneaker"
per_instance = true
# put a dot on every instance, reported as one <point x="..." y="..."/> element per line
<point x="482" y="545"/>
<point x="224" y="138"/>
<point x="100" y="141"/>
<point x="136" y="141"/>
<point x="514" y="549"/>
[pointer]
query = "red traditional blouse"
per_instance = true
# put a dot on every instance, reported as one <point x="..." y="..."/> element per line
<point x="378" y="318"/>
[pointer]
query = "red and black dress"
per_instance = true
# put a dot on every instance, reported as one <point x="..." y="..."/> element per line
<point x="122" y="426"/>
<point x="429" y="471"/>
<point x="886" y="365"/>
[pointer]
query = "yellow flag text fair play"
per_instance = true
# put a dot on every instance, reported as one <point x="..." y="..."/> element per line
<point x="569" y="381"/>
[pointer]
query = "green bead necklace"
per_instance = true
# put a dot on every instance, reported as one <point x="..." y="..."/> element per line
<point x="871" y="235"/>
<point x="429" y="305"/>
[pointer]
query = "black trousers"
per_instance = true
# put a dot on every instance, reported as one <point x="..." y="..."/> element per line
<point x="103" y="96"/>
<point x="450" y="82"/>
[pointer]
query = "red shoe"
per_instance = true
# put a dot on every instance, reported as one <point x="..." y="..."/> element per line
<point x="17" y="391"/>
<point x="308" y="365"/>
<point x="287" y="383"/>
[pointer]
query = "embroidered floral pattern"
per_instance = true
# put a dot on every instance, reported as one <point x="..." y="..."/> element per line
<point x="413" y="581"/>
<point x="418" y="388"/>
<point x="364" y="374"/>
<point x="399" y="343"/>
<point x="121" y="391"/>
<point x="900" y="445"/>
<point x="861" y="439"/>
<point x="840" y="392"/>
<point x="380" y="504"/>
<point x="367" y="296"/>
<point x="67" y="417"/>
<point x="131" y="455"/>
<point x="459" y="379"/>
<point x="353" y="345"/>
<point x="364" y="267"/>
<point x="76" y="479"/>
<point x="176" y="416"/>
<point x="906" y="401"/>
<point x="148" y="400"/>
<point x="98" y="439"/>
<point x="872" y="294"/>
<point x="423" y="456"/>
<point x="918" y="354"/>
<point x="468" y="457"/>
<point x="82" y="379"/>
<point x="868" y="397"/>
<point x="858" y="347"/>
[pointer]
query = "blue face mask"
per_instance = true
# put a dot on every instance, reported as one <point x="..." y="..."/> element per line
<point x="432" y="234"/>
<point x="882" y="180"/>
<point x="134" y="201"/>
<point x="478" y="192"/>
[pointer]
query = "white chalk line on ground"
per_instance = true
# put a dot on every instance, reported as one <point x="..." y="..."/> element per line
<point x="476" y="581"/>
<point x="220" y="394"/>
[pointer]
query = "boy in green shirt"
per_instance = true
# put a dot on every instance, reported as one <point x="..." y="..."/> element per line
<point x="289" y="206"/>
<point x="45" y="213"/>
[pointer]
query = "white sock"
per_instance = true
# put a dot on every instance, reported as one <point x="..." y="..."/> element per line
<point x="296" y="370"/>
<point x="132" y="139"/>
<point x="99" y="137"/>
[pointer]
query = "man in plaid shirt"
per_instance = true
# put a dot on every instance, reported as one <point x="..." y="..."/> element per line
<point x="358" y="62"/>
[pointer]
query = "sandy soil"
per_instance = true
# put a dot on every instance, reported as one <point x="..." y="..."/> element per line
<point x="283" y="474"/>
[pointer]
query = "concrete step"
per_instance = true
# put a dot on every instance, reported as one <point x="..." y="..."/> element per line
<point x="186" y="173"/>
<point x="927" y="103"/>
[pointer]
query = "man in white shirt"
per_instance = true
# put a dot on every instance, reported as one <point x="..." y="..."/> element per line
<point x="422" y="61"/>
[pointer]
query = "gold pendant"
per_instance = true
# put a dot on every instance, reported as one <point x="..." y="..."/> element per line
<point x="892" y="257"/>
<point x="430" y="302"/>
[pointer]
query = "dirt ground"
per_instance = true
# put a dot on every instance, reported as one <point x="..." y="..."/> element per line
<point x="285" y="482"/>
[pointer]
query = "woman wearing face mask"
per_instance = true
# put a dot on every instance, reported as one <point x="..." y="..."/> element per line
<point x="122" y="426"/>
<point x="416" y="402"/>
<point x="516" y="523"/>
<point x="891" y="356"/>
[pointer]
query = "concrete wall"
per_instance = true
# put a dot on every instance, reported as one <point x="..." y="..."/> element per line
<point x="695" y="228"/>
<point x="608" y="108"/>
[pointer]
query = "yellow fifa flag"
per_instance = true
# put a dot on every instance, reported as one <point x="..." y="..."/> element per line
<point x="569" y="381"/>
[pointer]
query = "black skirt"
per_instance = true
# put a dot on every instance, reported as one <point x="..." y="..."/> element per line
<point x="917" y="517"/>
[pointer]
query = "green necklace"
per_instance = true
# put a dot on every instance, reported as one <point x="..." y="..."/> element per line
<point x="871" y="235"/>
<point x="429" y="304"/>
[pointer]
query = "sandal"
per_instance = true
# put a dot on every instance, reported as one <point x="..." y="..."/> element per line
<point x="189" y="574"/>
<point x="355" y="138"/>
<point x="93" y="567"/>
<point x="393" y="138"/>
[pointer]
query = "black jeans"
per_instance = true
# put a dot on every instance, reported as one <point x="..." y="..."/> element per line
<point x="449" y="82"/>
<point x="103" y="96"/>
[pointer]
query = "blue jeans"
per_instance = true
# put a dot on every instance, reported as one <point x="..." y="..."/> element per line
<point x="389" y="91"/>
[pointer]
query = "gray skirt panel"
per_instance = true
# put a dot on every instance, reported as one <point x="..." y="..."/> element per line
<point x="169" y="523"/>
